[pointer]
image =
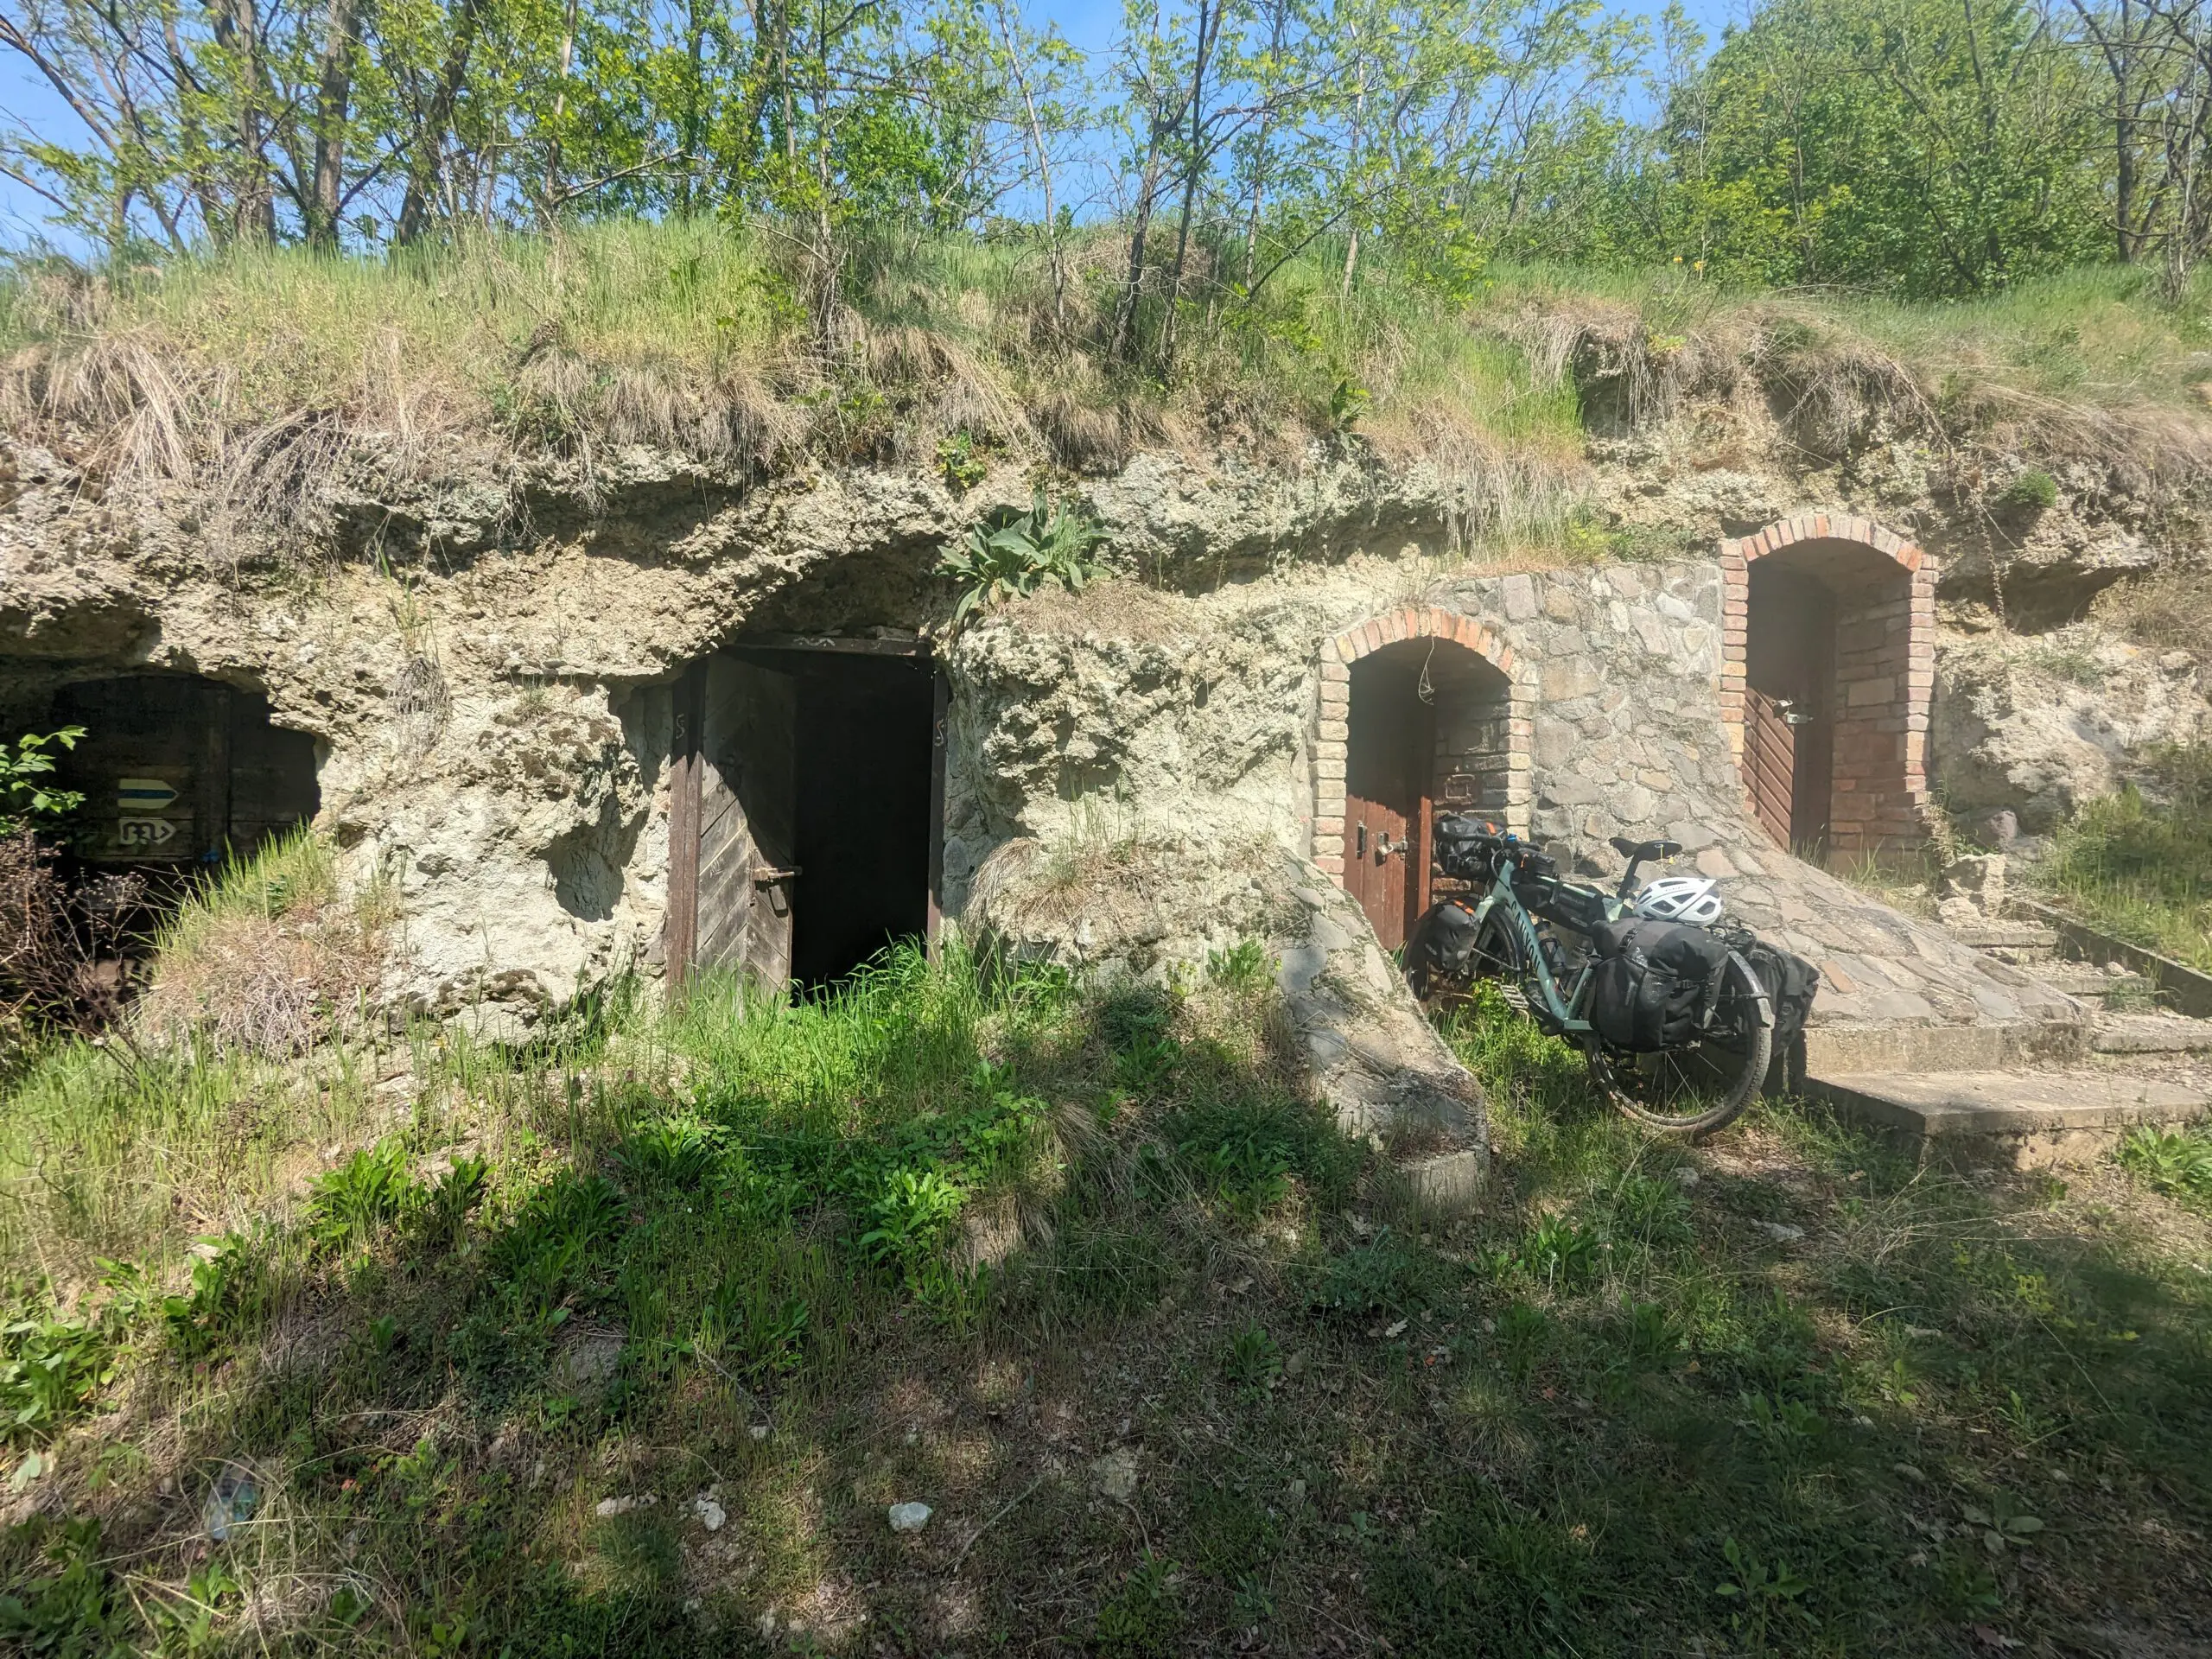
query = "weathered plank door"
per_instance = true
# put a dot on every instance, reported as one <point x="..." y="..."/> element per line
<point x="1770" y="763"/>
<point x="1789" y="730"/>
<point x="1386" y="777"/>
<point x="748" y="819"/>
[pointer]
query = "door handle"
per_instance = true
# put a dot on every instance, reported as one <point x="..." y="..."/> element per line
<point x="768" y="874"/>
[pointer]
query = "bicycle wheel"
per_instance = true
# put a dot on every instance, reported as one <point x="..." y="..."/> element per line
<point x="1695" y="1090"/>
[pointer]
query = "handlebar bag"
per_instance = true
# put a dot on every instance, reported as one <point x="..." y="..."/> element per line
<point x="1654" y="982"/>
<point x="1463" y="846"/>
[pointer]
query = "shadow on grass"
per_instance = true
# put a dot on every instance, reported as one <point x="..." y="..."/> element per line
<point x="1088" y="1276"/>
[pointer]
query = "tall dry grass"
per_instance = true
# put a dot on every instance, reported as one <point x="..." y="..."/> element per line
<point x="270" y="959"/>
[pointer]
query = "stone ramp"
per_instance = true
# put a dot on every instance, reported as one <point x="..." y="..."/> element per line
<point x="2026" y="1119"/>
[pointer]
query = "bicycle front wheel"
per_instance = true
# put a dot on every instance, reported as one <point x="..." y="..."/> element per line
<point x="1705" y="1085"/>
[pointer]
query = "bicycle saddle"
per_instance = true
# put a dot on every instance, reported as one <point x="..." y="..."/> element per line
<point x="1637" y="851"/>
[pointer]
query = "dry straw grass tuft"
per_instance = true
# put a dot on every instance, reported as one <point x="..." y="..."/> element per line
<point x="271" y="960"/>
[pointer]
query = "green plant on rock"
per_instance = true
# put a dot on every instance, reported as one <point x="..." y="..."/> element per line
<point x="26" y="797"/>
<point x="2033" y="490"/>
<point x="1048" y="546"/>
<point x="961" y="459"/>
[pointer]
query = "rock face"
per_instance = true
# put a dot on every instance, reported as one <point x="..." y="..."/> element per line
<point x="1134" y="777"/>
<point x="2037" y="727"/>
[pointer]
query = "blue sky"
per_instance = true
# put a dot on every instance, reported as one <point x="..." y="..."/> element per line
<point x="26" y="98"/>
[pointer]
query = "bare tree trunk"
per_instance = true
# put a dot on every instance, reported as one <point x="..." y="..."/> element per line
<point x="560" y="113"/>
<point x="1125" y="313"/>
<point x="1208" y="26"/>
<point x="253" y="212"/>
<point x="428" y="152"/>
<point x="1054" y="253"/>
<point x="333" y="95"/>
<point x="1358" y="136"/>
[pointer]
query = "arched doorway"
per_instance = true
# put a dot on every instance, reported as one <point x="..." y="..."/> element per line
<point x="1419" y="714"/>
<point x="1828" y="666"/>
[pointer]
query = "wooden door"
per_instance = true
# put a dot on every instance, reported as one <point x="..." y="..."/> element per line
<point x="1790" y="665"/>
<point x="1385" y="783"/>
<point x="747" y="814"/>
<point x="1770" y="764"/>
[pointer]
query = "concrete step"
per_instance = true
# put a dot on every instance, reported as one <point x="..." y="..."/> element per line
<point x="2150" y="1033"/>
<point x="2023" y="1119"/>
<point x="1995" y="935"/>
<point x="1833" y="1051"/>
<point x="2080" y="979"/>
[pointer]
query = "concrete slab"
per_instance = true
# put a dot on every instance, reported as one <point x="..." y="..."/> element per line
<point x="1832" y="1050"/>
<point x="2026" y="1119"/>
<point x="2079" y="979"/>
<point x="2005" y="936"/>
<point x="2152" y="1033"/>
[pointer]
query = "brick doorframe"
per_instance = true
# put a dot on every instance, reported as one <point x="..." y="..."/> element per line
<point x="1885" y="671"/>
<point x="1508" y="790"/>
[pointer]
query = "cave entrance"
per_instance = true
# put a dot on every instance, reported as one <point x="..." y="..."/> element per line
<point x="808" y="796"/>
<point x="177" y="769"/>
<point x="1429" y="728"/>
<point x="1835" y="697"/>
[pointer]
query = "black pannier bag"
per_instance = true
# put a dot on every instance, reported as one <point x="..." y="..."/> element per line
<point x="1790" y="982"/>
<point x="1657" y="982"/>
<point x="1445" y="941"/>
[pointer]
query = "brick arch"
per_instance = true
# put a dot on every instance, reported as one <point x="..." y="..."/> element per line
<point x="1885" y="666"/>
<point x="1502" y="726"/>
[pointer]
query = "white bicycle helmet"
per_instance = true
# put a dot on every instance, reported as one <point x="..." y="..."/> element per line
<point x="1691" y="899"/>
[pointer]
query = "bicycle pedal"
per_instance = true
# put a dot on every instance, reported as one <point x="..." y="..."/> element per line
<point x="1516" y="998"/>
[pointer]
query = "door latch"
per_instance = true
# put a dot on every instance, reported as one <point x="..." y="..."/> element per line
<point x="768" y="874"/>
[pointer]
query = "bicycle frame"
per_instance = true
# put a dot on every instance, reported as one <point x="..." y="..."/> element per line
<point x="1559" y="1007"/>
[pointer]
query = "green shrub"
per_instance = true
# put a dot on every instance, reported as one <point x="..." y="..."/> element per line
<point x="2033" y="490"/>
<point x="2177" y="1162"/>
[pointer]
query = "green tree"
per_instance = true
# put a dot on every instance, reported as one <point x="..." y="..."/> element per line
<point x="1938" y="147"/>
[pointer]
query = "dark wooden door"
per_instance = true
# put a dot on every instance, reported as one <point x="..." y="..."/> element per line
<point x="749" y="820"/>
<point x="1770" y="764"/>
<point x="1386" y="779"/>
<point x="1789" y="666"/>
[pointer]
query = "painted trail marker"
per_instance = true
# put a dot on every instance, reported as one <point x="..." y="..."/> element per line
<point x="143" y="794"/>
<point x="145" y="832"/>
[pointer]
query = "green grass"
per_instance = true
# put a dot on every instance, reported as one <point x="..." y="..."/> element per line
<point x="2099" y="339"/>
<point x="727" y="1255"/>
<point x="2141" y="868"/>
<point x="690" y="336"/>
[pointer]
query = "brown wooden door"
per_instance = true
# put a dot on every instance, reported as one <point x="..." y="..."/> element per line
<point x="1385" y="782"/>
<point x="749" y="820"/>
<point x="1789" y="663"/>
<point x="1770" y="764"/>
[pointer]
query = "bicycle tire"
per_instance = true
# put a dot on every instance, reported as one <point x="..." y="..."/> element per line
<point x="1717" y="1076"/>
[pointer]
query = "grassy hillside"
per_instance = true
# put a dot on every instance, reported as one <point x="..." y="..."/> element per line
<point x="260" y="370"/>
<point x="629" y="1340"/>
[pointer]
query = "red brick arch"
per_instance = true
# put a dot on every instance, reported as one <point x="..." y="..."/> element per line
<point x="1504" y="719"/>
<point x="1885" y="665"/>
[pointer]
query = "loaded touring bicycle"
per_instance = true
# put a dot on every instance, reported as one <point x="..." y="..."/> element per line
<point x="1679" y="1013"/>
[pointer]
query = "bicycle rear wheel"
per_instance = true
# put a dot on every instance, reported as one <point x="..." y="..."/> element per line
<point x="1704" y="1086"/>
